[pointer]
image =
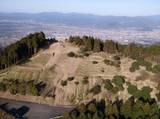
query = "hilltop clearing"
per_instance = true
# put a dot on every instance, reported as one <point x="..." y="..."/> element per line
<point x="72" y="76"/>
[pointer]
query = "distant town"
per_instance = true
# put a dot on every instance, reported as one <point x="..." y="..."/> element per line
<point x="143" y="30"/>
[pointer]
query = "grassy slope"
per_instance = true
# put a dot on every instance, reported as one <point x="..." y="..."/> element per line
<point x="54" y="69"/>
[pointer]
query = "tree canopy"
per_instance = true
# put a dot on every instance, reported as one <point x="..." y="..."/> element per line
<point x="22" y="49"/>
<point x="132" y="50"/>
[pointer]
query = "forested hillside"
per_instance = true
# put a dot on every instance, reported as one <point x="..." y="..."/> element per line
<point x="139" y="104"/>
<point x="131" y="109"/>
<point x="135" y="51"/>
<point x="22" y="49"/>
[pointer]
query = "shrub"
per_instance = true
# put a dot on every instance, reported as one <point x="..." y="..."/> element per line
<point x="132" y="89"/>
<point x="53" y="54"/>
<point x="70" y="78"/>
<point x="115" y="90"/>
<point x="92" y="107"/>
<point x="96" y="89"/>
<point x="86" y="77"/>
<point x="119" y="81"/>
<point x="76" y="82"/>
<point x="95" y="62"/>
<point x="71" y="54"/>
<point x="2" y="86"/>
<point x="141" y="62"/>
<point x="13" y="88"/>
<point x="129" y="109"/>
<point x="63" y="83"/>
<point x="86" y="54"/>
<point x="116" y="57"/>
<point x="22" y="88"/>
<point x="102" y="70"/>
<point x="117" y="63"/>
<point x="134" y="67"/>
<point x="34" y="90"/>
<point x="80" y="56"/>
<point x="108" y="62"/>
<point x="156" y="69"/>
<point x="85" y="80"/>
<point x="108" y="85"/>
<point x="148" y="66"/>
<point x="158" y="96"/>
<point x="144" y="93"/>
<point x="112" y="63"/>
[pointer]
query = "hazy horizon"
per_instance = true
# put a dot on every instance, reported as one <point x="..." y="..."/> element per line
<point x="78" y="13"/>
<point x="95" y="7"/>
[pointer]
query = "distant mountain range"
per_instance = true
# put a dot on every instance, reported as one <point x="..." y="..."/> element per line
<point x="87" y="20"/>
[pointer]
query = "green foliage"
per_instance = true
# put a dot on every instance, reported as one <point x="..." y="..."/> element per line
<point x="158" y="96"/>
<point x="136" y="65"/>
<point x="111" y="47"/>
<point x="33" y="89"/>
<point x="115" y="90"/>
<point x="71" y="54"/>
<point x="2" y="86"/>
<point x="156" y="69"/>
<point x="64" y="83"/>
<point x="118" y="80"/>
<point x="22" y="49"/>
<point x="131" y="109"/>
<point x="108" y="62"/>
<point x="131" y="50"/>
<point x="96" y="89"/>
<point x="92" y="107"/>
<point x="132" y="89"/>
<point x="13" y="87"/>
<point x="22" y="87"/>
<point x="144" y="93"/>
<point x="98" y="46"/>
<point x="108" y="85"/>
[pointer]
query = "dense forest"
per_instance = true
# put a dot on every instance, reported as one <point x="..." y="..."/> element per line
<point x="22" y="87"/>
<point x="131" y="109"/>
<point x="22" y="49"/>
<point x="132" y="50"/>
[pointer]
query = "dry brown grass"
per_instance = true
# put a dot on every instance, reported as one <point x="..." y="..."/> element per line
<point x="144" y="75"/>
<point x="53" y="69"/>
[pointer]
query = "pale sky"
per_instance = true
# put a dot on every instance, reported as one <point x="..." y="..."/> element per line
<point x="98" y="7"/>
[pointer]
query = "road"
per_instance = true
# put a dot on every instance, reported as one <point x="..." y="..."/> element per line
<point x="27" y="110"/>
